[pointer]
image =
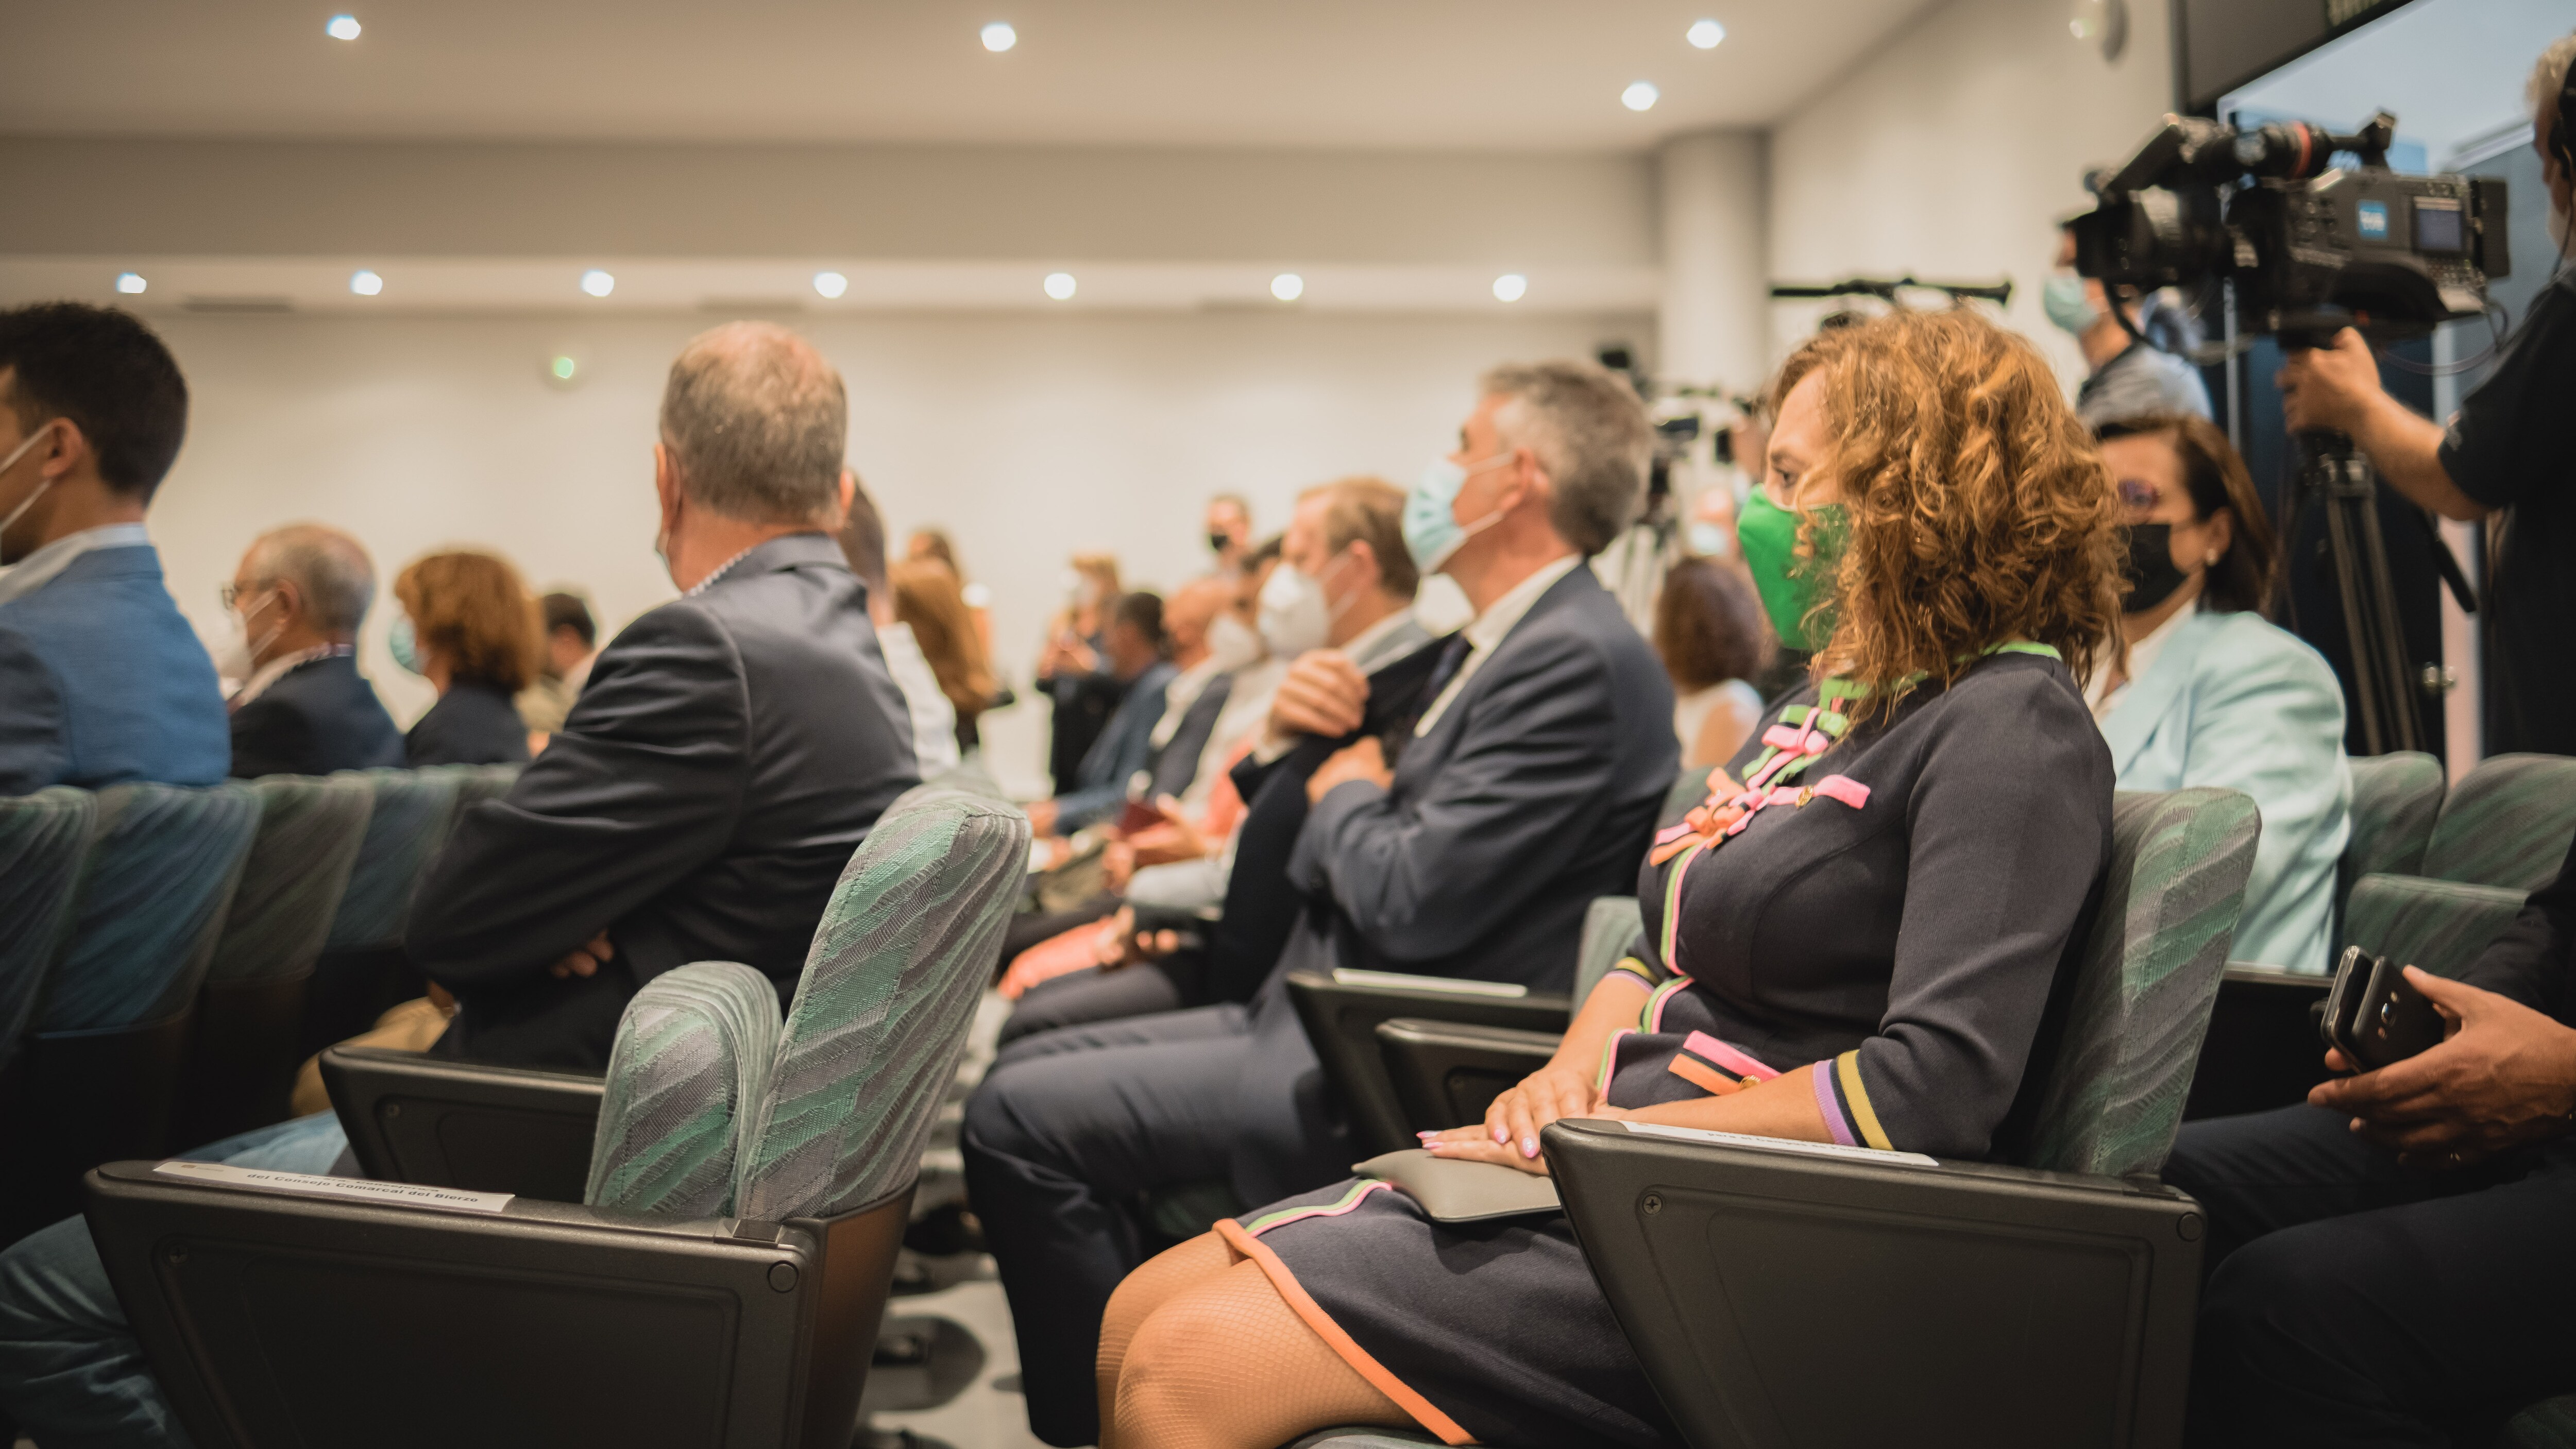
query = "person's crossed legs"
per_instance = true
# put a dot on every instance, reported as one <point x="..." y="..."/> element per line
<point x="71" y="1372"/>
<point x="2351" y="1301"/>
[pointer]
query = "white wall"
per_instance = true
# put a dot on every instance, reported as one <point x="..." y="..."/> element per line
<point x="1954" y="148"/>
<point x="1028" y="436"/>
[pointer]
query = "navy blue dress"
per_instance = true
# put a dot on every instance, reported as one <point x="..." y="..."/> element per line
<point x="473" y="723"/>
<point x="1888" y="925"/>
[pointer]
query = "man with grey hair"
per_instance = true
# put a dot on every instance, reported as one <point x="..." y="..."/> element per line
<point x="1461" y="829"/>
<point x="299" y="595"/>
<point x="729" y="751"/>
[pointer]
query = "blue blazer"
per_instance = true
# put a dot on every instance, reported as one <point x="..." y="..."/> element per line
<point x="1125" y="746"/>
<point x="102" y="682"/>
<point x="2234" y="702"/>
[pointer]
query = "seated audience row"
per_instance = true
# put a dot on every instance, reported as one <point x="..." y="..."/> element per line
<point x="727" y="754"/>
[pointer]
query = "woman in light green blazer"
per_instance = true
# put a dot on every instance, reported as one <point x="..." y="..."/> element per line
<point x="2214" y="694"/>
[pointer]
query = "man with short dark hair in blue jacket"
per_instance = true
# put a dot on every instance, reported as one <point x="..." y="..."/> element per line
<point x="101" y="680"/>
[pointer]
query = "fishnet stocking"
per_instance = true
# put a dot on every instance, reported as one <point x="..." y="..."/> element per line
<point x="1167" y="1273"/>
<point x="1224" y="1363"/>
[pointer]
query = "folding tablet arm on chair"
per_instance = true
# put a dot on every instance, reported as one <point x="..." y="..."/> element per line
<point x="1825" y="1297"/>
<point x="441" y="1123"/>
<point x="277" y="1317"/>
<point x="1341" y="1013"/>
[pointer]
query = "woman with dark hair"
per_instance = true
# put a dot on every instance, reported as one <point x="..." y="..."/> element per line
<point x="1708" y="631"/>
<point x="471" y="629"/>
<point x="1868" y="966"/>
<point x="2211" y="692"/>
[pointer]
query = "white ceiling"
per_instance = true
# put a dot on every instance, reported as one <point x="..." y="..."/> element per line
<point x="1483" y="74"/>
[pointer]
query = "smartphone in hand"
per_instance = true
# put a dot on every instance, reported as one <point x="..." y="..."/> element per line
<point x="2374" y="1017"/>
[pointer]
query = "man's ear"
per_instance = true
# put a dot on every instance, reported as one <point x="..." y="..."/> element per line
<point x="1366" y="557"/>
<point x="290" y="600"/>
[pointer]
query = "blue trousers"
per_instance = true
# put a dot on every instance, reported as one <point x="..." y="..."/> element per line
<point x="2355" y="1302"/>
<point x="71" y="1372"/>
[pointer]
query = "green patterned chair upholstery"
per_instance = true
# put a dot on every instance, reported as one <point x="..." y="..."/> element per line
<point x="111" y="1023"/>
<point x="662" y="1320"/>
<point x="474" y="785"/>
<point x="42" y="839"/>
<point x="2440" y="925"/>
<point x="2507" y="823"/>
<point x="2131" y="1033"/>
<point x="2395" y="800"/>
<point x="692" y="1058"/>
<point x="362" y="970"/>
<point x="250" y="1012"/>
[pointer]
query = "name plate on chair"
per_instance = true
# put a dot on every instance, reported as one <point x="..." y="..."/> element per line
<point x="1871" y="1155"/>
<point x="357" y="1189"/>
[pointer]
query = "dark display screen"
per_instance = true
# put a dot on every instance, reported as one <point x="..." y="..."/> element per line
<point x="2439" y="229"/>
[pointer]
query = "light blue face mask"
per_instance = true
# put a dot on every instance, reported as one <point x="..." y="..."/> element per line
<point x="1432" y="531"/>
<point x="2064" y="301"/>
<point x="1710" y="541"/>
<point x="398" y="639"/>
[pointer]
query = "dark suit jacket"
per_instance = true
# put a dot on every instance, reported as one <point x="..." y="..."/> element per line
<point x="1176" y="764"/>
<point x="320" y="716"/>
<point x="1261" y="906"/>
<point x="101" y="682"/>
<point x="473" y="723"/>
<point x="730" y="751"/>
<point x="1125" y="746"/>
<point x="1534" y="793"/>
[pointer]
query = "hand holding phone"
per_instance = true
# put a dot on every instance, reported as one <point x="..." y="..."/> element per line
<point x="2374" y="1016"/>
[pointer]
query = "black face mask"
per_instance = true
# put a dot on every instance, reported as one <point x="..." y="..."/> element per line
<point x="2152" y="577"/>
<point x="1220" y="542"/>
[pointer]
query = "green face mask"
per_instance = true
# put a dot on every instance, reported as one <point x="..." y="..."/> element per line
<point x="1790" y="586"/>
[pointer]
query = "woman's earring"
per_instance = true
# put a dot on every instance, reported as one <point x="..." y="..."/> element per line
<point x="2210" y="562"/>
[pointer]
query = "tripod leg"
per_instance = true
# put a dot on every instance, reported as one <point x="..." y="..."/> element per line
<point x="2357" y="642"/>
<point x="2390" y="643"/>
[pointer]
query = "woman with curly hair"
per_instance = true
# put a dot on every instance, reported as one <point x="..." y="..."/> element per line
<point x="471" y="628"/>
<point x="1851" y="941"/>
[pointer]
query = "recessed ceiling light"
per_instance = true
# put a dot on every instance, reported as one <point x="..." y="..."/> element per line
<point x="1059" y="285"/>
<point x="131" y="283"/>
<point x="999" y="37"/>
<point x="365" y="283"/>
<point x="598" y="283"/>
<point x="1287" y="286"/>
<point x="1510" y="287"/>
<point x="831" y="284"/>
<point x="1640" y="96"/>
<point x="343" y="27"/>
<point x="1705" y="34"/>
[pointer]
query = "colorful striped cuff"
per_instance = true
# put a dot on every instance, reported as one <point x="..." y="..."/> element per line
<point x="1846" y="1103"/>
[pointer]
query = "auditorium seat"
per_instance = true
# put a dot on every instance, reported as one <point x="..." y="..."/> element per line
<point x="2395" y="800"/>
<point x="691" y="1302"/>
<point x="2439" y="925"/>
<point x="250" y="1013"/>
<point x="42" y="839"/>
<point x="2506" y="823"/>
<point x="362" y="970"/>
<point x="112" y="1018"/>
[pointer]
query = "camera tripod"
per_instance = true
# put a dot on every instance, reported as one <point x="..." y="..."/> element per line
<point x="2385" y="692"/>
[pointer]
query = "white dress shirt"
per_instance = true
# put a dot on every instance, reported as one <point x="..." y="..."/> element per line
<point x="1489" y="628"/>
<point x="38" y="569"/>
<point x="934" y="719"/>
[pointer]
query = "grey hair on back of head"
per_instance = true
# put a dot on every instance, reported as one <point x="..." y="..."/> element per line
<point x="757" y="422"/>
<point x="329" y="568"/>
<point x="1592" y="438"/>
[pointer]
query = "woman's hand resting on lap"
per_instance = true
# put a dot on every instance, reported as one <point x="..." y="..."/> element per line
<point x="1509" y="1133"/>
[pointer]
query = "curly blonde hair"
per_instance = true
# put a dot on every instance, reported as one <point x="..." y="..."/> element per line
<point x="1977" y="509"/>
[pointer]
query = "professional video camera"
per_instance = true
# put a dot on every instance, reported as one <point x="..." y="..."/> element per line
<point x="2310" y="246"/>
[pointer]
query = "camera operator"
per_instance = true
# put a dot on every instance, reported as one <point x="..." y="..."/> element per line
<point x="2512" y="446"/>
<point x="2129" y="376"/>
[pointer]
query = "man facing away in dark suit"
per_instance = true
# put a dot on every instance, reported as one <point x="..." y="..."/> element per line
<point x="101" y="680"/>
<point x="301" y="592"/>
<point x="729" y="751"/>
<point x="1526" y="786"/>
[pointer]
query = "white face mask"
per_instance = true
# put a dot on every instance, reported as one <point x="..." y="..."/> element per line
<point x="1232" y="644"/>
<point x="1295" y="613"/>
<point x="237" y="654"/>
